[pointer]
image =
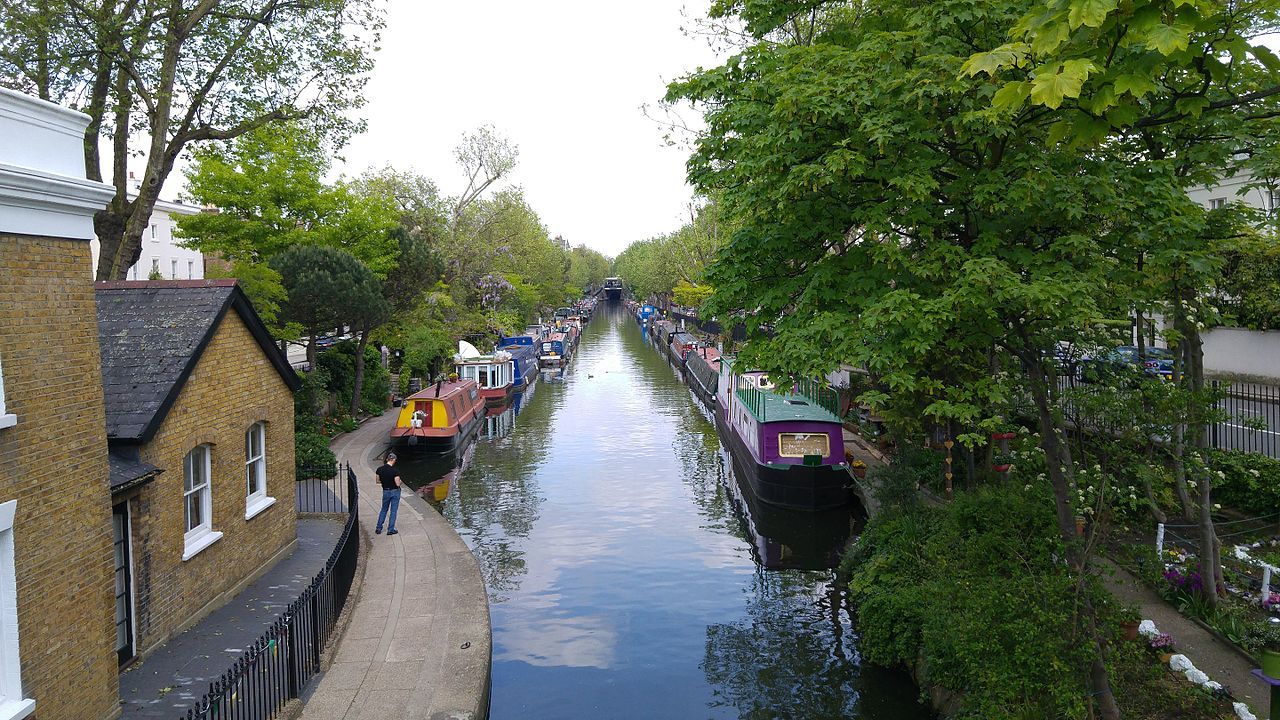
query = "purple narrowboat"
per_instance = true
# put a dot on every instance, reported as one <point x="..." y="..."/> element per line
<point x="790" y="446"/>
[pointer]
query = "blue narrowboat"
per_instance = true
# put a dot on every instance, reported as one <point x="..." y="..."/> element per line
<point x="524" y="353"/>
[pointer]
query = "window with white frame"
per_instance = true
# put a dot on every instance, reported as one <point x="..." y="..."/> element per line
<point x="255" y="470"/>
<point x="14" y="705"/>
<point x="173" y="269"/>
<point x="197" y="501"/>
<point x="7" y="419"/>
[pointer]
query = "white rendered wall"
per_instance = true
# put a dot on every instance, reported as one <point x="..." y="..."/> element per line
<point x="160" y="249"/>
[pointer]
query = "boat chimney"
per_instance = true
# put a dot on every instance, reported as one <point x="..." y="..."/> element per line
<point x="438" y="386"/>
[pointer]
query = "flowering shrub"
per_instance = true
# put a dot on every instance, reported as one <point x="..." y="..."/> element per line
<point x="1249" y="482"/>
<point x="1163" y="641"/>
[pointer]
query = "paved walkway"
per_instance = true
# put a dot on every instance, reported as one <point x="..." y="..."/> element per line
<point x="1216" y="658"/>
<point x="174" y="677"/>
<point x="418" y="645"/>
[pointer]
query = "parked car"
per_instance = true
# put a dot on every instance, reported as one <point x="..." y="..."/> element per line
<point x="1126" y="360"/>
<point x="325" y="341"/>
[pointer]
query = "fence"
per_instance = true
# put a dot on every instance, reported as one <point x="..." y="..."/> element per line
<point x="1253" y="424"/>
<point x="1248" y="575"/>
<point x="278" y="665"/>
<point x="1252" y="410"/>
<point x="323" y="490"/>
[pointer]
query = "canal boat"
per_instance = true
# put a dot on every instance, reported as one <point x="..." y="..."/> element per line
<point x="555" y="350"/>
<point x="791" y="448"/>
<point x="495" y="374"/>
<point x="681" y="344"/>
<point x="702" y="372"/>
<point x="613" y="289"/>
<point x="524" y="356"/>
<point x="441" y="417"/>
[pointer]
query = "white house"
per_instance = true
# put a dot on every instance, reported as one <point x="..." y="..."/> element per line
<point x="161" y="254"/>
<point x="1233" y="189"/>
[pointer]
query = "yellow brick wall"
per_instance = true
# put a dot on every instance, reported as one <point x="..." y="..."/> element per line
<point x="232" y="387"/>
<point x="54" y="463"/>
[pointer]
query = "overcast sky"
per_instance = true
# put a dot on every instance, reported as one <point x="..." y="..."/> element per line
<point x="565" y="80"/>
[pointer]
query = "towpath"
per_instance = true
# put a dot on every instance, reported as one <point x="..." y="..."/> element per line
<point x="1216" y="658"/>
<point x="418" y="644"/>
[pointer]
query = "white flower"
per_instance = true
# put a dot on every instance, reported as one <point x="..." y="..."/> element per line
<point x="1027" y="486"/>
<point x="1255" y="473"/>
<point x="1088" y="511"/>
<point x="1216" y="506"/>
<point x="1222" y="475"/>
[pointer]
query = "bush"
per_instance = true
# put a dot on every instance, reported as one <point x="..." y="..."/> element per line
<point x="976" y="590"/>
<point x="310" y="399"/>
<point x="1249" y="482"/>
<point x="339" y="363"/>
<point x="310" y="451"/>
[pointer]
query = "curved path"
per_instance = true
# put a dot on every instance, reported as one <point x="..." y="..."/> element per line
<point x="418" y="644"/>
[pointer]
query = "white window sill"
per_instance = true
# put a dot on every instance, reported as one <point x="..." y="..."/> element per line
<point x="254" y="506"/>
<point x="16" y="709"/>
<point x="196" y="544"/>
<point x="7" y="421"/>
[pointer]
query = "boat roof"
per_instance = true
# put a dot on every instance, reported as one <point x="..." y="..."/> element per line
<point x="483" y="360"/>
<point x="790" y="408"/>
<point x="447" y="388"/>
<point x="684" y="337"/>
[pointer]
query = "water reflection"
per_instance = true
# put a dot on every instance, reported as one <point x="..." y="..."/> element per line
<point x="631" y="576"/>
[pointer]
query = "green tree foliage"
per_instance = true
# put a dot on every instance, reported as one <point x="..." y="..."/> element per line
<point x="657" y="266"/>
<point x="974" y="593"/>
<point x="270" y="195"/>
<point x="327" y="288"/>
<point x="896" y="208"/>
<point x="158" y="78"/>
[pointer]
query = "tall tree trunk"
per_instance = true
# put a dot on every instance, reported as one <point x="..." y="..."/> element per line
<point x="1180" y="429"/>
<point x="1053" y="441"/>
<point x="359" y="383"/>
<point x="1210" y="547"/>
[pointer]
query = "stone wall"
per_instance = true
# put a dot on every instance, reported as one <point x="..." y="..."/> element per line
<point x="232" y="387"/>
<point x="54" y="463"/>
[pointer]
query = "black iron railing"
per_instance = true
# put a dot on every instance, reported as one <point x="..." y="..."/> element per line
<point x="1252" y="421"/>
<point x="278" y="665"/>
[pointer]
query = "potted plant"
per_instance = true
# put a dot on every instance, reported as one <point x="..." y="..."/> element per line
<point x="1001" y="462"/>
<point x="1163" y="645"/>
<point x="1130" y="618"/>
<point x="1264" y="637"/>
<point x="859" y="468"/>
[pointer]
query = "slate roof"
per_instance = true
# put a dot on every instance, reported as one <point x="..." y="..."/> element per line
<point x="152" y="334"/>
<point x="127" y="472"/>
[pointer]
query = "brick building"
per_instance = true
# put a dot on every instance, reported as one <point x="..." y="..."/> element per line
<point x="56" y="657"/>
<point x="199" y="418"/>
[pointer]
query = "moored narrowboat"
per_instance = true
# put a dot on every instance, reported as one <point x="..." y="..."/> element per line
<point x="702" y="371"/>
<point x="440" y="417"/>
<point x="555" y="350"/>
<point x="681" y="344"/>
<point x="791" y="448"/>
<point x="524" y="357"/>
<point x="494" y="374"/>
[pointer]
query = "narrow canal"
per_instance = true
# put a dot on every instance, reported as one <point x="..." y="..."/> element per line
<point x="628" y="574"/>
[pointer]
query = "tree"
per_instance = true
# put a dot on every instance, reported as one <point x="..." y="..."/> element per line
<point x="328" y="288"/>
<point x="181" y="74"/>
<point x="885" y="218"/>
<point x="485" y="157"/>
<point x="1188" y="85"/>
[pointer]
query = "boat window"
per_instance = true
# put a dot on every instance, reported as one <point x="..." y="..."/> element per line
<point x="482" y="376"/>
<point x="797" y="445"/>
<point x="796" y="402"/>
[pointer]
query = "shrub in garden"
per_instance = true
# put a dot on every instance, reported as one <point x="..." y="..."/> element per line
<point x="1248" y="482"/>
<point x="976" y="590"/>
<point x="310" y="451"/>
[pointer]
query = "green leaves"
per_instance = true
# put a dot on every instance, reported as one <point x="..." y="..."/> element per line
<point x="1050" y="89"/>
<point x="1090" y="13"/>
<point x="1168" y="39"/>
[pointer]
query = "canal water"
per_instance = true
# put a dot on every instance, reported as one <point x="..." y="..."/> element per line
<point x="630" y="576"/>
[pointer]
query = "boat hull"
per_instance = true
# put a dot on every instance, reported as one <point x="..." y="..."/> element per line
<point x="800" y="487"/>
<point x="497" y="397"/>
<point x="436" y="440"/>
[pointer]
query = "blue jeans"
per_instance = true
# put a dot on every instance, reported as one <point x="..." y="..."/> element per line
<point x="390" y="501"/>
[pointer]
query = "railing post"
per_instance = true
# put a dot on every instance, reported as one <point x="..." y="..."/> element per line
<point x="1159" y="541"/>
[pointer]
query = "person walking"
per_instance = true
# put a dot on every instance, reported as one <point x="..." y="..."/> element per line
<point x="389" y="479"/>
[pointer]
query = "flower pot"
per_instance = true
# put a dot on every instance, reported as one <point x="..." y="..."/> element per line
<point x="1130" y="629"/>
<point x="1166" y="657"/>
<point x="1270" y="661"/>
<point x="860" y="472"/>
<point x="1001" y="468"/>
<point x="1079" y="525"/>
